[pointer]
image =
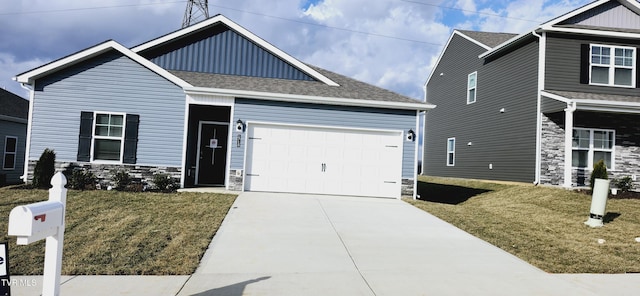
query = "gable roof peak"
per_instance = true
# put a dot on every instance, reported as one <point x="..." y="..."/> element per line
<point x="552" y="25"/>
<point x="220" y="19"/>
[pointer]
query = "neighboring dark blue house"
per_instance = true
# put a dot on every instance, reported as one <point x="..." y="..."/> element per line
<point x="14" y="113"/>
<point x="215" y="105"/>
<point x="540" y="107"/>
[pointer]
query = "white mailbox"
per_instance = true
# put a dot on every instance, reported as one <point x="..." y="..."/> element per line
<point x="33" y="222"/>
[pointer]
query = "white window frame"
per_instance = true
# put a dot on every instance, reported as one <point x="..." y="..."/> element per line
<point x="95" y="137"/>
<point x="592" y="149"/>
<point x="6" y="152"/>
<point x="471" y="100"/>
<point x="451" y="161"/>
<point x="612" y="66"/>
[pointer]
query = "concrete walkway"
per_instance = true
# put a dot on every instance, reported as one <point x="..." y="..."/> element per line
<point x="288" y="244"/>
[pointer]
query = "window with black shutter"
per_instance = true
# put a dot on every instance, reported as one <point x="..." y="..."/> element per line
<point x="108" y="137"/>
<point x="608" y="65"/>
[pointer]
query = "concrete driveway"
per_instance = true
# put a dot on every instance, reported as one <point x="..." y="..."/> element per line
<point x="291" y="244"/>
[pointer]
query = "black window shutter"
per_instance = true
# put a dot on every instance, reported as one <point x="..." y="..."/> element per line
<point x="84" y="140"/>
<point x="131" y="138"/>
<point x="584" y="63"/>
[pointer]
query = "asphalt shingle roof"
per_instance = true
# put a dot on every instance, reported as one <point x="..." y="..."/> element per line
<point x="13" y="105"/>
<point x="348" y="88"/>
<point x="594" y="96"/>
<point x="488" y="38"/>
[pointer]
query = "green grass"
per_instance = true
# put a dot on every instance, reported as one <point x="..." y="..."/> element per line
<point x="122" y="233"/>
<point x="541" y="225"/>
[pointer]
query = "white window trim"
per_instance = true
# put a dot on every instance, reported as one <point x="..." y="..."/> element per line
<point x="4" y="155"/>
<point x="612" y="66"/>
<point x="475" y="87"/>
<point x="452" y="152"/>
<point x="591" y="149"/>
<point x="121" y="138"/>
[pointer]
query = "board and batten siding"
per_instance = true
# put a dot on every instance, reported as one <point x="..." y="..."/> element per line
<point x="225" y="52"/>
<point x="110" y="82"/>
<point x="18" y="130"/>
<point x="326" y="115"/>
<point x="563" y="64"/>
<point x="484" y="135"/>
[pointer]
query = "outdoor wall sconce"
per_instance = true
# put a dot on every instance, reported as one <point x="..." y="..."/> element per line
<point x="470" y="144"/>
<point x="239" y="125"/>
<point x="411" y="136"/>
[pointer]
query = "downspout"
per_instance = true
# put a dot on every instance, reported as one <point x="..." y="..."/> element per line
<point x="25" y="173"/>
<point x="541" y="74"/>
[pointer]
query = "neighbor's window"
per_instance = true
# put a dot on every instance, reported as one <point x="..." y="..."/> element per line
<point x="592" y="145"/>
<point x="451" y="151"/>
<point x="10" y="148"/>
<point x="613" y="65"/>
<point x="108" y="136"/>
<point x="472" y="83"/>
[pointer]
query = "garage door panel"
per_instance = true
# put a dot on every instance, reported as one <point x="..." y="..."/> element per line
<point x="323" y="160"/>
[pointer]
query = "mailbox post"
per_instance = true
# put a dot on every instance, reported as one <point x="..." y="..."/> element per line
<point x="40" y="220"/>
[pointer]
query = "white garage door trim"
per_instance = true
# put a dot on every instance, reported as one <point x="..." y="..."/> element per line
<point x="367" y="162"/>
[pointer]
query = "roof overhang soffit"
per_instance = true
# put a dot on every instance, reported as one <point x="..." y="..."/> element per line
<point x="231" y="93"/>
<point x="596" y="105"/>
<point x="244" y="32"/>
<point x="30" y="76"/>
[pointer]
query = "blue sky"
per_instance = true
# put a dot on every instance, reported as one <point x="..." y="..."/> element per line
<point x="389" y="43"/>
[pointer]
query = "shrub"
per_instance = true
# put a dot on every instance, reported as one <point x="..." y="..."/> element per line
<point x="121" y="179"/>
<point x="624" y="184"/>
<point x="45" y="169"/>
<point x="164" y="182"/>
<point x="599" y="172"/>
<point x="81" y="180"/>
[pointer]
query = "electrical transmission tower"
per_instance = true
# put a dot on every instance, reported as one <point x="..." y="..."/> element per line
<point x="197" y="10"/>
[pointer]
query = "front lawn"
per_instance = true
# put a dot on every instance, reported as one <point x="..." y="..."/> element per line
<point x="543" y="226"/>
<point x="122" y="233"/>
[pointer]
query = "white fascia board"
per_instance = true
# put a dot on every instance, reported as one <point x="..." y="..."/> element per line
<point x="307" y="99"/>
<point x="556" y="97"/>
<point x="597" y="105"/>
<point x="444" y="49"/>
<point x="608" y="106"/>
<point x="573" y="13"/>
<point x="242" y="31"/>
<point x="504" y="44"/>
<point x="594" y="32"/>
<point x="29" y="77"/>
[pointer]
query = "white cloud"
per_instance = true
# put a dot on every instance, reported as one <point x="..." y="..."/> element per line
<point x="392" y="44"/>
<point x="468" y="7"/>
<point x="9" y="67"/>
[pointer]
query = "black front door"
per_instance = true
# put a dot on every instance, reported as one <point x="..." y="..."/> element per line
<point x="212" y="153"/>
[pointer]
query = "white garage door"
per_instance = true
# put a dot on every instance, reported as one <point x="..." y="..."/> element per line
<point x="282" y="158"/>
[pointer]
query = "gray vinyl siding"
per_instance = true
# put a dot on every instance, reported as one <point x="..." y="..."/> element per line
<point x="229" y="53"/>
<point x="18" y="130"/>
<point x="109" y="83"/>
<point x="563" y="65"/>
<point x="505" y="140"/>
<point x="325" y="115"/>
